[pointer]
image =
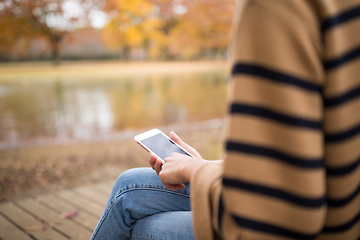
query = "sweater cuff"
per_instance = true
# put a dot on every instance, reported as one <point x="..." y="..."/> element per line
<point x="202" y="196"/>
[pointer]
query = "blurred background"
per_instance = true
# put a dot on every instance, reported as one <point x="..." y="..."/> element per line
<point x="80" y="78"/>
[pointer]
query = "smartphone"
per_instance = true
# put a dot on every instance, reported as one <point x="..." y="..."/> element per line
<point x="157" y="143"/>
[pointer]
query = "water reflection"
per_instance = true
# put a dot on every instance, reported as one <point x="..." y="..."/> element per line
<point x="87" y="112"/>
<point x="64" y="109"/>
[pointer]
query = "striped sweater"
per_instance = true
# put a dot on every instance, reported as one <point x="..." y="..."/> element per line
<point x="292" y="168"/>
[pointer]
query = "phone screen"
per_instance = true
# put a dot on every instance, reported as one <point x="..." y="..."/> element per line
<point x="162" y="146"/>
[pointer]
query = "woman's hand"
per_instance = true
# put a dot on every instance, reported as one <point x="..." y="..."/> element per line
<point x="185" y="146"/>
<point x="157" y="164"/>
<point x="178" y="169"/>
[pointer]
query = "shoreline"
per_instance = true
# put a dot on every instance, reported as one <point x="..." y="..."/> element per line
<point x="113" y="136"/>
<point x="87" y="70"/>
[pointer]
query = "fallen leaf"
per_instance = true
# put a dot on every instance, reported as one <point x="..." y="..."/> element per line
<point x="70" y="214"/>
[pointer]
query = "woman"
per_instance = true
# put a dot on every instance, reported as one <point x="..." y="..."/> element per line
<point x="142" y="207"/>
<point x="292" y="165"/>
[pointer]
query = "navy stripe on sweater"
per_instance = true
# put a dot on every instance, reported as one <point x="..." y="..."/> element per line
<point x="312" y="163"/>
<point x="346" y="135"/>
<point x="343" y="227"/>
<point x="270" y="228"/>
<point x="347" y="57"/>
<point x="270" y="74"/>
<point x="237" y="108"/>
<point x="341" y="171"/>
<point x="343" y="201"/>
<point x="341" y="18"/>
<point x="275" y="193"/>
<point x="220" y="213"/>
<point x="348" y="96"/>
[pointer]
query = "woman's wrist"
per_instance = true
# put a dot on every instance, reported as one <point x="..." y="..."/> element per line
<point x="191" y="168"/>
<point x="215" y="161"/>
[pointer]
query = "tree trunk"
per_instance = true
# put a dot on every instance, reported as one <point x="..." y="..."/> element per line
<point x="55" y="45"/>
<point x="126" y="53"/>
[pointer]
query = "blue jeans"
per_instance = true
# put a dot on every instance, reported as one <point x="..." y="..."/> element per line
<point x="140" y="207"/>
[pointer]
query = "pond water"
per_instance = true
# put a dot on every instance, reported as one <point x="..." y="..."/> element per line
<point x="80" y="109"/>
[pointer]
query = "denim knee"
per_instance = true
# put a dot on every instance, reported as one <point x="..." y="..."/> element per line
<point x="134" y="178"/>
<point x="126" y="178"/>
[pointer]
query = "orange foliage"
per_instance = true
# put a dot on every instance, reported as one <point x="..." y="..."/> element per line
<point x="50" y="18"/>
<point x="132" y="25"/>
<point x="168" y="28"/>
<point x="159" y="29"/>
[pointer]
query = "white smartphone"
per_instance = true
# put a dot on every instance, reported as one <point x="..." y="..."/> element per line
<point x="156" y="142"/>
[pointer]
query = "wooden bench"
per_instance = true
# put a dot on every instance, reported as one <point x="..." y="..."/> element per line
<point x="43" y="216"/>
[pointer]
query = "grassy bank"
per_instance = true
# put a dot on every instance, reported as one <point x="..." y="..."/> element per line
<point x="37" y="168"/>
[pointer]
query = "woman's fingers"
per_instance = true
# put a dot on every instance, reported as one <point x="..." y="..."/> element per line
<point x="157" y="166"/>
<point x="152" y="161"/>
<point x="155" y="163"/>
<point x="174" y="187"/>
<point x="178" y="140"/>
<point x="173" y="136"/>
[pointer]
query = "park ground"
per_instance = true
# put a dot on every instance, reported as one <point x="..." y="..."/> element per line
<point x="34" y="169"/>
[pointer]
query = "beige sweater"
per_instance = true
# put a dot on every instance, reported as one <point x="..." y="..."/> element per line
<point x="292" y="168"/>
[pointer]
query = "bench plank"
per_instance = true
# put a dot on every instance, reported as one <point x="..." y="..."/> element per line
<point x="65" y="226"/>
<point x="105" y="187"/>
<point x="9" y="231"/>
<point x="83" y="218"/>
<point x="81" y="202"/>
<point x="28" y="223"/>
<point x="94" y="194"/>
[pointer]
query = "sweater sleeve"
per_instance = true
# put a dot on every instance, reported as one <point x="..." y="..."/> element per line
<point x="273" y="180"/>
<point x="205" y="192"/>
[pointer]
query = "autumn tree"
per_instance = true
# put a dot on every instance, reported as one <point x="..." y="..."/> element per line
<point x="133" y="24"/>
<point x="53" y="19"/>
<point x="167" y="29"/>
<point x="169" y="14"/>
<point x="203" y="29"/>
<point x="141" y="24"/>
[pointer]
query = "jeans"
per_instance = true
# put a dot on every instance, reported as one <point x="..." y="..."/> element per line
<point x="140" y="207"/>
